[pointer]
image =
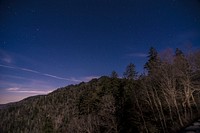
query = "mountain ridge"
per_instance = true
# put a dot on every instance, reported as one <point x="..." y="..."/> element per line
<point x="166" y="99"/>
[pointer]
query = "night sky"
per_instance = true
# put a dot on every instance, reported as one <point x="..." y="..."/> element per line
<point x="46" y="44"/>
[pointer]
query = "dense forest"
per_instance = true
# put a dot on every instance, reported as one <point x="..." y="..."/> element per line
<point x="165" y="98"/>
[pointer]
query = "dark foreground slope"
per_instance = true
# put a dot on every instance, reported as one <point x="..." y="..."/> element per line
<point x="87" y="107"/>
<point x="101" y="105"/>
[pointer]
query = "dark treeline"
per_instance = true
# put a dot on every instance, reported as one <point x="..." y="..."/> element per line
<point x="163" y="99"/>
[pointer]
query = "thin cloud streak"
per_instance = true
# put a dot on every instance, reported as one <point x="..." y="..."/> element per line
<point x="52" y="76"/>
<point x="40" y="73"/>
<point x="12" y="89"/>
<point x="19" y="68"/>
<point x="28" y="70"/>
<point x="17" y="90"/>
<point x="33" y="92"/>
<point x="7" y="66"/>
<point x="5" y="57"/>
<point x="88" y="78"/>
<point x="137" y="55"/>
<point x="13" y="77"/>
<point x="56" y="77"/>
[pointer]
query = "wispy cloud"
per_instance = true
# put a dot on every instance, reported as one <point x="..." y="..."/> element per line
<point x="181" y="39"/>
<point x="56" y="77"/>
<point x="33" y="92"/>
<point x="19" y="68"/>
<point x="137" y="55"/>
<point x="40" y="73"/>
<point x="12" y="89"/>
<point x="18" y="90"/>
<point x="5" y="57"/>
<point x="29" y="70"/>
<point x="88" y="78"/>
<point x="7" y="66"/>
<point x="19" y="81"/>
<point x="52" y="76"/>
<point x="13" y="97"/>
<point x="187" y="35"/>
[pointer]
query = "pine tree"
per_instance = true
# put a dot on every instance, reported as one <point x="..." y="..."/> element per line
<point x="178" y="52"/>
<point x="130" y="72"/>
<point x="153" y="60"/>
<point x="114" y="74"/>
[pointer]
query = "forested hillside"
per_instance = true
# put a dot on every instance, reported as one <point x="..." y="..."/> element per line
<point x="163" y="99"/>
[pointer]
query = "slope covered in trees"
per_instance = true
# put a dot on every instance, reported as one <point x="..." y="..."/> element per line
<point x="165" y="99"/>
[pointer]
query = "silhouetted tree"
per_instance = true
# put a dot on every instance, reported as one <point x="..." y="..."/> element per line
<point x="130" y="72"/>
<point x="114" y="74"/>
<point x="178" y="52"/>
<point x="153" y="60"/>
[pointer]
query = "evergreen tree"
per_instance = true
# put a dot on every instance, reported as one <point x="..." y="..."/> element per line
<point x="178" y="52"/>
<point x="130" y="72"/>
<point x="114" y="74"/>
<point x="153" y="60"/>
